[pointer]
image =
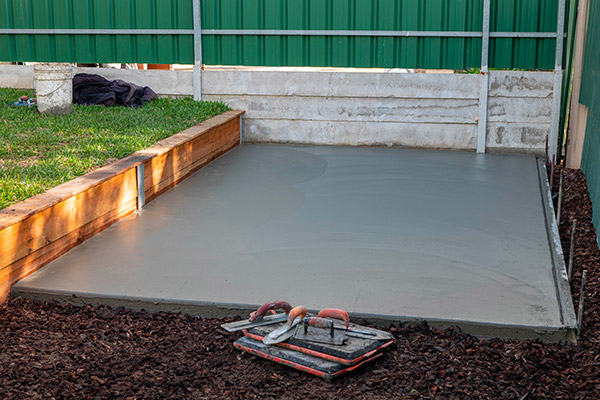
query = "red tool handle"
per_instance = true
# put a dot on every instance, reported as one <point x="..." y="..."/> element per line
<point x="335" y="313"/>
<point x="318" y="322"/>
<point x="298" y="311"/>
<point x="276" y="305"/>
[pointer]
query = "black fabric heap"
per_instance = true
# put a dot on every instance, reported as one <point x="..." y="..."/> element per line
<point x="94" y="89"/>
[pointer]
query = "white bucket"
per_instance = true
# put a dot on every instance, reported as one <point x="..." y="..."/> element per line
<point x="54" y="87"/>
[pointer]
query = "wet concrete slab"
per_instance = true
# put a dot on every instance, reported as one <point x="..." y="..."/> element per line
<point x="385" y="233"/>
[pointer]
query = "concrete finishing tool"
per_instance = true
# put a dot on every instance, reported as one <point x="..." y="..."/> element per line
<point x="373" y="334"/>
<point x="356" y="348"/>
<point x="258" y="317"/>
<point x="286" y="331"/>
<point x="352" y="351"/>
<point x="321" y="330"/>
<point x="316" y="365"/>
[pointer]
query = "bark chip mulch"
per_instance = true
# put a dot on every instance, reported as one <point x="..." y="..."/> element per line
<point x="50" y="350"/>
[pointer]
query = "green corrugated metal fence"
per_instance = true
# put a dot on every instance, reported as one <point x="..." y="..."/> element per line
<point x="337" y="51"/>
<point x="590" y="79"/>
<point x="567" y="79"/>
<point x="97" y="14"/>
<point x="590" y="96"/>
<point x="419" y="15"/>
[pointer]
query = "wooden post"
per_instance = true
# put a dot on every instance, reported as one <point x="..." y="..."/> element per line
<point x="577" y="112"/>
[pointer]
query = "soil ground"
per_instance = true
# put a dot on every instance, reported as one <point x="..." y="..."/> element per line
<point x="59" y="351"/>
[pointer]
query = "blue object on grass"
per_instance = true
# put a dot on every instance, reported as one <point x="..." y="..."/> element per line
<point x="24" y="101"/>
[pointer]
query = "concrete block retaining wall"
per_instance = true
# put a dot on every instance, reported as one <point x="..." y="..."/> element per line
<point x="362" y="107"/>
<point x="519" y="110"/>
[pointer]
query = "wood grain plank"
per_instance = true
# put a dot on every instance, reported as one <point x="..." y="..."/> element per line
<point x="43" y="228"/>
<point x="181" y="156"/>
<point x="20" y="211"/>
<point x="173" y="180"/>
<point x="198" y="130"/>
<point x="34" y="261"/>
<point x="163" y="167"/>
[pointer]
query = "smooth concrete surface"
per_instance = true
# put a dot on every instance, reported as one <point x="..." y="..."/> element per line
<point x="349" y="106"/>
<point x="382" y="232"/>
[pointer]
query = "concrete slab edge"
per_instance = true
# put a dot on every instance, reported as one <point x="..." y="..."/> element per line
<point x="222" y="310"/>
<point x="559" y="269"/>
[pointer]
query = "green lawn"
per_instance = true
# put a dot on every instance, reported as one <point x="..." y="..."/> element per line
<point x="38" y="151"/>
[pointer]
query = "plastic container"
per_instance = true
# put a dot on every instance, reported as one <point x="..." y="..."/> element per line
<point x="54" y="87"/>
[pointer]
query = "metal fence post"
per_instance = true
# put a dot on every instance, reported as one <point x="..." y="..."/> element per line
<point x="556" y="92"/>
<point x="197" y="15"/>
<point x="241" y="130"/>
<point x="141" y="191"/>
<point x="484" y="80"/>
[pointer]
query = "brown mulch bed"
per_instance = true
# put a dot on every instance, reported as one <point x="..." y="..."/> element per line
<point x="60" y="351"/>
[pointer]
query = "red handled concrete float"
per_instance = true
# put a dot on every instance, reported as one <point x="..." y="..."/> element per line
<point x="326" y="345"/>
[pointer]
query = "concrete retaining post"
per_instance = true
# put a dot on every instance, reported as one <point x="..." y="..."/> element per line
<point x="54" y="87"/>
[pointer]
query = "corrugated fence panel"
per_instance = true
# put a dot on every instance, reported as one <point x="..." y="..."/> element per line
<point x="321" y="51"/>
<point x="590" y="96"/>
<point x="523" y="16"/>
<point x="380" y="52"/>
<point x="340" y="51"/>
<point x="590" y="80"/>
<point x="590" y="165"/>
<point x="97" y="14"/>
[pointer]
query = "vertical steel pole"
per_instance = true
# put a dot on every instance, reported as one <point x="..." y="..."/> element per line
<point x="572" y="250"/>
<point x="241" y="130"/>
<point x="484" y="80"/>
<point x="552" y="172"/>
<point x="559" y="203"/>
<point x="546" y="154"/>
<point x="141" y="191"/>
<point x="581" y="300"/>
<point x="556" y="93"/>
<point x="197" y="15"/>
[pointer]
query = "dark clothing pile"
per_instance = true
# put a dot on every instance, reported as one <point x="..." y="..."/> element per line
<point x="94" y="89"/>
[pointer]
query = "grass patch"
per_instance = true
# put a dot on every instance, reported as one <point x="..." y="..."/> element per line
<point x="38" y="152"/>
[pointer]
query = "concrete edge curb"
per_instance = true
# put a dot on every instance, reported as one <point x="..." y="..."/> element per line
<point x="559" y="269"/>
<point x="222" y="310"/>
